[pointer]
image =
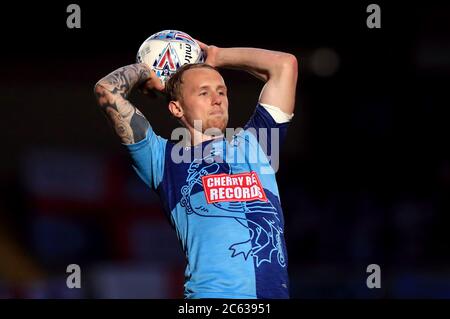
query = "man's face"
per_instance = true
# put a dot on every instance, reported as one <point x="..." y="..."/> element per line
<point x="204" y="97"/>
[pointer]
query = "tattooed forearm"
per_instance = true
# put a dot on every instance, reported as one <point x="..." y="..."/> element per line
<point x="112" y="92"/>
<point x="122" y="128"/>
<point x="124" y="79"/>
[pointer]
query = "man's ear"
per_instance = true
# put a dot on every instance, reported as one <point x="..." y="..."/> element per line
<point x="176" y="109"/>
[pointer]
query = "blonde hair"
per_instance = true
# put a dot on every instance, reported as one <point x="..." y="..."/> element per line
<point x="173" y="85"/>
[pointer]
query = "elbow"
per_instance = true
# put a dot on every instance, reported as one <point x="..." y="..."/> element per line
<point x="286" y="64"/>
<point x="102" y="95"/>
<point x="289" y="63"/>
<point x="98" y="89"/>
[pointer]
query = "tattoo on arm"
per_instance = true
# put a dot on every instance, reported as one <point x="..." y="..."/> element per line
<point x="112" y="92"/>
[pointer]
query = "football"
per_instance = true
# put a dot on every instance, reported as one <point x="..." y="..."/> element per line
<point x="166" y="51"/>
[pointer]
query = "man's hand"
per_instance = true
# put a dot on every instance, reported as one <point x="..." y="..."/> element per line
<point x="152" y="84"/>
<point x="211" y="53"/>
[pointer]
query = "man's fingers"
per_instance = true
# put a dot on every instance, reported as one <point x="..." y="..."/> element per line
<point x="154" y="83"/>
<point x="203" y="46"/>
<point x="208" y="51"/>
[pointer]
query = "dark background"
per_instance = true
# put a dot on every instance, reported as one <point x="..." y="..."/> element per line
<point x="364" y="175"/>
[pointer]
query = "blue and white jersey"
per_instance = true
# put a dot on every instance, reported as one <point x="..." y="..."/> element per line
<point x="224" y="204"/>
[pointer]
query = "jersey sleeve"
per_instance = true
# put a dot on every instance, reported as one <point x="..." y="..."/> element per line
<point x="148" y="158"/>
<point x="268" y="124"/>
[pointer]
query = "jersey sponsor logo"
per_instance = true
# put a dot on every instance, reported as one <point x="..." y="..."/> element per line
<point x="259" y="217"/>
<point x="236" y="187"/>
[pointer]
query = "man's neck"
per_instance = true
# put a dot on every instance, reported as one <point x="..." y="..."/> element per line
<point x="198" y="137"/>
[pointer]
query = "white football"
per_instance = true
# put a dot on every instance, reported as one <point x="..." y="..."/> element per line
<point x="166" y="51"/>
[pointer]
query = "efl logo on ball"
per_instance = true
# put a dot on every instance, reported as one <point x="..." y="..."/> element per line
<point x="166" y="51"/>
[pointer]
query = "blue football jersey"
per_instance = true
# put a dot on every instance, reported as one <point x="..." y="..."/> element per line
<point x="222" y="199"/>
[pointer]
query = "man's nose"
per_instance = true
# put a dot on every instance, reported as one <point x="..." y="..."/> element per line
<point x="216" y="100"/>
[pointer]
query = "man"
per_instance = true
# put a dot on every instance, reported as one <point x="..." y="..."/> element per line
<point x="221" y="196"/>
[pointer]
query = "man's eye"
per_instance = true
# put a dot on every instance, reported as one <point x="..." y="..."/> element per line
<point x="203" y="93"/>
<point x="222" y="93"/>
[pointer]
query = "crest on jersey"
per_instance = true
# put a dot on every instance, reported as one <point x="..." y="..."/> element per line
<point x="168" y="62"/>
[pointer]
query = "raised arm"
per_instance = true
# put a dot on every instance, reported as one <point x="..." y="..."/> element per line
<point x="278" y="69"/>
<point x="112" y="93"/>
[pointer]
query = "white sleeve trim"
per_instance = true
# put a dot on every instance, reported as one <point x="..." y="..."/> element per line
<point x="277" y="114"/>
